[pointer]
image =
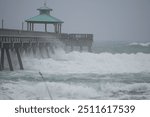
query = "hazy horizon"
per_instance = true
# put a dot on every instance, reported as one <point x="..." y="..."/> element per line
<point x="110" y="20"/>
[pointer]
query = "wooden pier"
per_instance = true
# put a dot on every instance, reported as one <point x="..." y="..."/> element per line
<point x="20" y="41"/>
<point x="24" y="41"/>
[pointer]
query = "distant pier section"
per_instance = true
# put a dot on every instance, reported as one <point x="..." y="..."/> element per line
<point x="27" y="41"/>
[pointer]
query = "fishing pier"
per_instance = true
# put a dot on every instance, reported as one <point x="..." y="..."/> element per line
<point x="13" y="41"/>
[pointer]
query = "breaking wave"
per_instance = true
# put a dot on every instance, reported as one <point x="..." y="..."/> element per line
<point x="140" y="44"/>
<point x="78" y="75"/>
<point x="60" y="90"/>
<point x="103" y="63"/>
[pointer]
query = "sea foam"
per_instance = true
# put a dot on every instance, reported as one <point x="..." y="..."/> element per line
<point x="103" y="63"/>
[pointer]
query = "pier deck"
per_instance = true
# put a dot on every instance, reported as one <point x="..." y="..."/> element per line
<point x="20" y="41"/>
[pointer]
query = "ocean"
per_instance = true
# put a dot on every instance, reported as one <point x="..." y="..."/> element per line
<point x="113" y="71"/>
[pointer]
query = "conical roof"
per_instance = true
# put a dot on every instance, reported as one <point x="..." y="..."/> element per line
<point x="44" y="16"/>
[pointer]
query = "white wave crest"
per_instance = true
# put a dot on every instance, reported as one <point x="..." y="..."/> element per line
<point x="103" y="63"/>
<point x="140" y="44"/>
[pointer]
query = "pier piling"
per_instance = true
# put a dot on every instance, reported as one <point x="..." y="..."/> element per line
<point x="2" y="58"/>
<point x="47" y="51"/>
<point x="51" y="49"/>
<point x="89" y="49"/>
<point x="19" y="58"/>
<point x="81" y="48"/>
<point x="9" y="59"/>
<point x="72" y="48"/>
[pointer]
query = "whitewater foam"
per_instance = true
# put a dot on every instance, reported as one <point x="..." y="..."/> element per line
<point x="78" y="75"/>
<point x="103" y="63"/>
<point x="26" y="90"/>
<point x="62" y="90"/>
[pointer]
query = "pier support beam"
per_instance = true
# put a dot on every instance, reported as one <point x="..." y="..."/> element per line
<point x="21" y="51"/>
<point x="47" y="51"/>
<point x="2" y="58"/>
<point x="41" y="52"/>
<point x="52" y="49"/>
<point x="41" y="46"/>
<point x="81" y="48"/>
<point x="9" y="59"/>
<point x="72" y="48"/>
<point x="34" y="49"/>
<point x="89" y="49"/>
<point x="19" y="58"/>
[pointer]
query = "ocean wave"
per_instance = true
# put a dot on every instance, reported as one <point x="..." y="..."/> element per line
<point x="140" y="44"/>
<point x="26" y="90"/>
<point x="103" y="63"/>
<point x="30" y="90"/>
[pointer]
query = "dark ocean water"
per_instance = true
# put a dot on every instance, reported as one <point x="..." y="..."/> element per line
<point x="115" y="70"/>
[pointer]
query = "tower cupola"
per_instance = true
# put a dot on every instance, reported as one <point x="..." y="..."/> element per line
<point x="44" y="10"/>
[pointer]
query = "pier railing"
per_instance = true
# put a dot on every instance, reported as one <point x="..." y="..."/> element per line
<point x="20" y="33"/>
<point x="14" y="32"/>
<point x="15" y="36"/>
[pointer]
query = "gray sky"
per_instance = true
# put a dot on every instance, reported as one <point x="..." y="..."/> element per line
<point x="106" y="19"/>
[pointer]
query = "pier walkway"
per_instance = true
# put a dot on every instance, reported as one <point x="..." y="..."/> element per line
<point x="25" y="41"/>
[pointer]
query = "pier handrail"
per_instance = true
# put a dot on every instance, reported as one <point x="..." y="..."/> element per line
<point x="23" y="33"/>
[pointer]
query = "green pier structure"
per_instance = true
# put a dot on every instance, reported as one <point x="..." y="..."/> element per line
<point x="45" y="18"/>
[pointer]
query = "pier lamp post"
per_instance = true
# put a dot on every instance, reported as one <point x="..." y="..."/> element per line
<point x="2" y="23"/>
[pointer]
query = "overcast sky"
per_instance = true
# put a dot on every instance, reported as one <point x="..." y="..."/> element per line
<point x="106" y="19"/>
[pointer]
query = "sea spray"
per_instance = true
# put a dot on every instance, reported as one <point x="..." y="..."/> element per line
<point x="103" y="63"/>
